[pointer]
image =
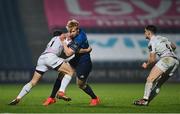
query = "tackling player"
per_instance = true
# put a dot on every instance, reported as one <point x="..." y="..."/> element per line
<point x="49" y="59"/>
<point x="163" y="69"/>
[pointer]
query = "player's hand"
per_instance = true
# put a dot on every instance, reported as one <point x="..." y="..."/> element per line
<point x="144" y="65"/>
<point x="89" y="49"/>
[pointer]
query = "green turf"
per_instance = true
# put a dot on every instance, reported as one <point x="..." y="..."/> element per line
<point x="114" y="98"/>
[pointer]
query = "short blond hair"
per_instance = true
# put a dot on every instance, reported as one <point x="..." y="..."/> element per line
<point x="71" y="24"/>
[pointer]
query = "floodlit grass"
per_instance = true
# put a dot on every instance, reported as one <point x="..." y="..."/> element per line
<point x="115" y="98"/>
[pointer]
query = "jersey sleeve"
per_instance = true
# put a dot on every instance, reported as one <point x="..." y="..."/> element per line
<point x="167" y="41"/>
<point x="151" y="48"/>
<point x="77" y="43"/>
<point x="74" y="46"/>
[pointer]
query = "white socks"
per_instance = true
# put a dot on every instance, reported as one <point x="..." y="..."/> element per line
<point x="147" y="90"/>
<point x="64" y="83"/>
<point x="25" y="90"/>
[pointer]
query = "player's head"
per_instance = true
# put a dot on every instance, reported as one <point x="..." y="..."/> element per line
<point x="56" y="32"/>
<point x="73" y="27"/>
<point x="63" y="36"/>
<point x="149" y="31"/>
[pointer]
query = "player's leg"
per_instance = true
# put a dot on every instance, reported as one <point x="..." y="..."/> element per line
<point x="59" y="65"/>
<point x="57" y="85"/>
<point x="154" y="74"/>
<point x="40" y="69"/>
<point x="26" y="89"/>
<point x="165" y="76"/>
<point x="68" y="71"/>
<point x="88" y="90"/>
<point x="64" y="77"/>
<point x="82" y="72"/>
<point x="51" y="99"/>
<point x="163" y="65"/>
<point x="157" y="86"/>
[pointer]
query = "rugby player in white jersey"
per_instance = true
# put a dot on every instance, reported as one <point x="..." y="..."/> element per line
<point x="163" y="69"/>
<point x="49" y="59"/>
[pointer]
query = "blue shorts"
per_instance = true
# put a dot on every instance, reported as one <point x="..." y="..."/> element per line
<point x="82" y="69"/>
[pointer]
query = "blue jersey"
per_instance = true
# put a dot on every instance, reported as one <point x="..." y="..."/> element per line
<point x="80" y="41"/>
<point x="81" y="62"/>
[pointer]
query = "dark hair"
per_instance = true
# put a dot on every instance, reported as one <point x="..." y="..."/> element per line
<point x="57" y="33"/>
<point x="151" y="28"/>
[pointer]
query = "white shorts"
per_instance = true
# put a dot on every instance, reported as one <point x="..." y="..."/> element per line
<point x="168" y="63"/>
<point x="48" y="61"/>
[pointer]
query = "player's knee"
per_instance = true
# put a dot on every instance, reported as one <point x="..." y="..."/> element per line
<point x="81" y="85"/>
<point x="71" y="72"/>
<point x="150" y="79"/>
<point x="68" y="71"/>
<point x="33" y="83"/>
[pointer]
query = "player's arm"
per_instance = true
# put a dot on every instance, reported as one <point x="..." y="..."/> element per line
<point x="87" y="50"/>
<point x="73" y="48"/>
<point x="151" y="60"/>
<point x="69" y="50"/>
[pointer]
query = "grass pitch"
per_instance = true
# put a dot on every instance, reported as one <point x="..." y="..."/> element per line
<point x="115" y="98"/>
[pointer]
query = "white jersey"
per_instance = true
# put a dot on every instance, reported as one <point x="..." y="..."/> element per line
<point x="54" y="46"/>
<point x="50" y="58"/>
<point x="161" y="46"/>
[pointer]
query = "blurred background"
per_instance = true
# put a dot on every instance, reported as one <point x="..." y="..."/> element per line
<point x="115" y="30"/>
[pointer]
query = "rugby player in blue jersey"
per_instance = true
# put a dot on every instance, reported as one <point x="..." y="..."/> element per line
<point x="81" y="63"/>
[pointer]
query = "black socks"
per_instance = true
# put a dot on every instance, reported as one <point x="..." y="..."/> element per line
<point x="89" y="91"/>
